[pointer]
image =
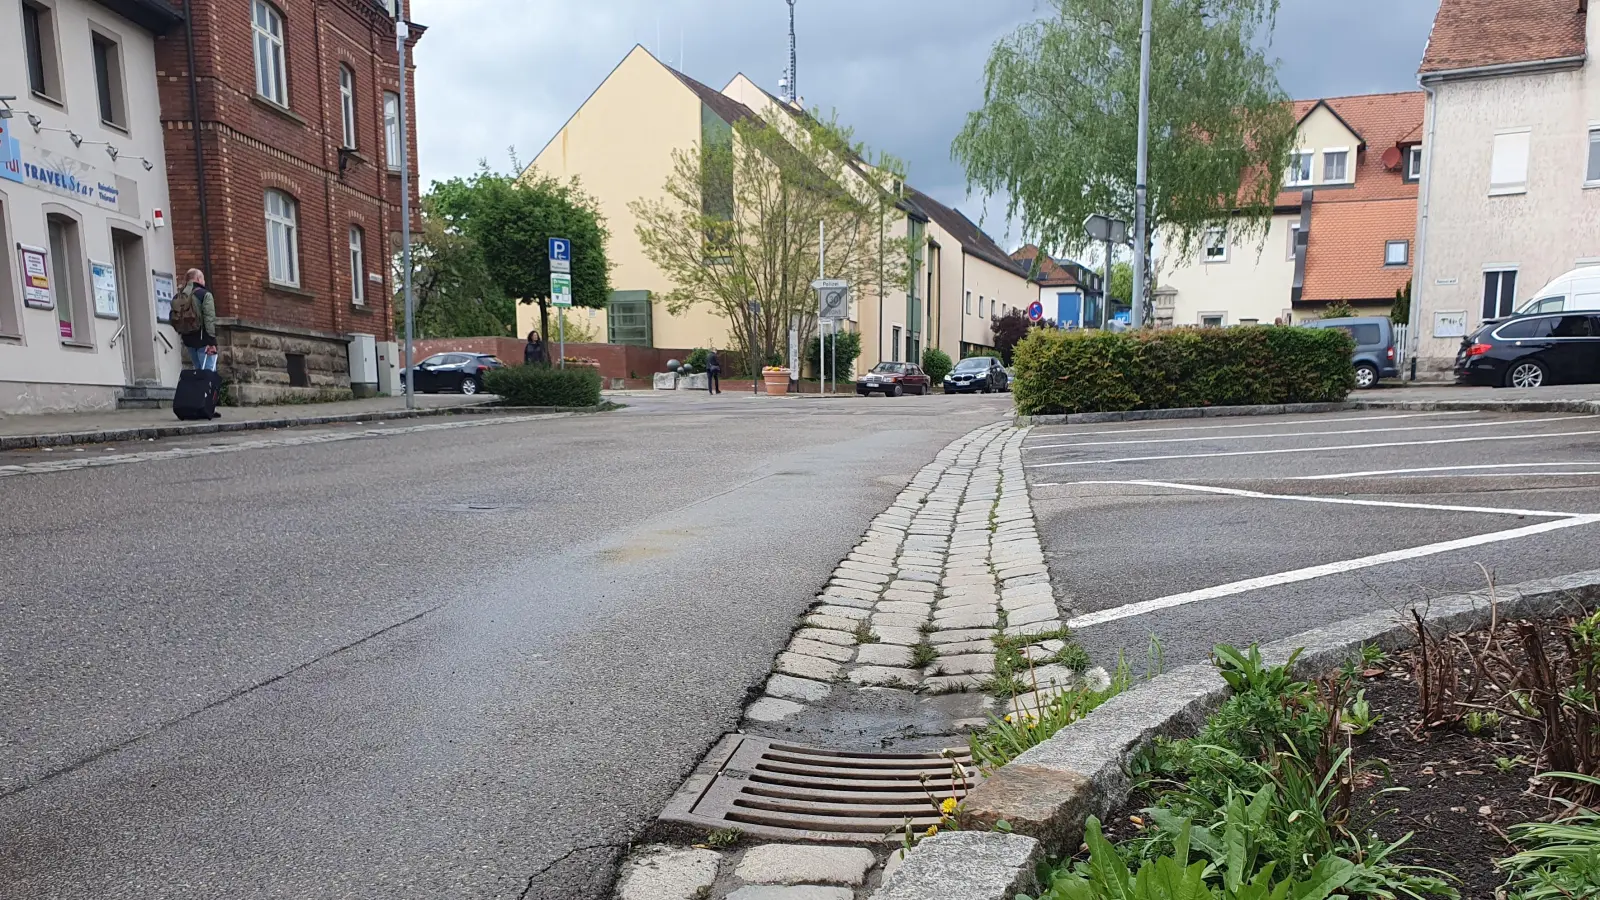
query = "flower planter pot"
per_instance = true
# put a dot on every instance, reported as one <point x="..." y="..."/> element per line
<point x="776" y="382"/>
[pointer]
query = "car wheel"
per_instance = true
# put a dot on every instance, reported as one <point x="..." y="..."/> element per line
<point x="1527" y="373"/>
<point x="469" y="385"/>
<point x="1366" y="376"/>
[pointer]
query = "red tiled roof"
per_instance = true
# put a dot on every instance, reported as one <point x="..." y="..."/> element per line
<point x="1345" y="250"/>
<point x="1050" y="273"/>
<point x="1468" y="34"/>
<point x="1383" y="121"/>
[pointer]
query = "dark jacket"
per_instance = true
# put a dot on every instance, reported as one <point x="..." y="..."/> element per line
<point x="206" y="303"/>
<point x="713" y="364"/>
<point x="533" y="353"/>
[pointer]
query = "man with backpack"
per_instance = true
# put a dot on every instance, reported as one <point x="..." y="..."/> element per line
<point x="194" y="317"/>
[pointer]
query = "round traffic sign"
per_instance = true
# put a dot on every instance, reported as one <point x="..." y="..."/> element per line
<point x="1036" y="311"/>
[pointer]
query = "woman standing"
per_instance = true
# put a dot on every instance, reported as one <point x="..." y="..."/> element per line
<point x="533" y="353"/>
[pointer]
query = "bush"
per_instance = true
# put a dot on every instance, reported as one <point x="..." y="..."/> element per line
<point x="984" y="354"/>
<point x="699" y="360"/>
<point x="532" y="386"/>
<point x="1099" y="371"/>
<point x="936" y="363"/>
<point x="849" y="349"/>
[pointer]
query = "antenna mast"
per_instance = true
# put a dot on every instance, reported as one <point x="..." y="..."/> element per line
<point x="794" y="92"/>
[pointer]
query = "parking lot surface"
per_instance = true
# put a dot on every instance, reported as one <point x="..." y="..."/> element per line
<point x="1242" y="531"/>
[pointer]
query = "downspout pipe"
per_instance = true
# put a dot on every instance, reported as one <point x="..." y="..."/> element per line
<point x="199" y="152"/>
<point x="1425" y="190"/>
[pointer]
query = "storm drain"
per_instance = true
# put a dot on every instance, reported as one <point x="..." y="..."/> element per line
<point x="783" y="791"/>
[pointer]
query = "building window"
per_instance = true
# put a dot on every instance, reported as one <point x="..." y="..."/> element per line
<point x="1213" y="320"/>
<point x="358" y="267"/>
<point x="1216" y="246"/>
<point x="66" y="278"/>
<point x="39" y="40"/>
<point x="981" y="306"/>
<point x="1414" y="164"/>
<point x="1299" y="168"/>
<point x="270" y="80"/>
<point x="1499" y="293"/>
<point x="1247" y="322"/>
<point x="968" y="307"/>
<point x="347" y="105"/>
<point x="108" y="82"/>
<point x="1335" y="166"/>
<point x="283" y="240"/>
<point x="1508" y="170"/>
<point x="1593" y="176"/>
<point x="1294" y="237"/>
<point x="1397" y="253"/>
<point x="894" y="345"/>
<point x="391" y="129"/>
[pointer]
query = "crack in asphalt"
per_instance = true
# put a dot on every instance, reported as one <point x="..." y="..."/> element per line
<point x="164" y="726"/>
<point x="561" y="859"/>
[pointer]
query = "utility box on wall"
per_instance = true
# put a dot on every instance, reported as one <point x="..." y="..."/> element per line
<point x="363" y="365"/>
<point x="388" y="363"/>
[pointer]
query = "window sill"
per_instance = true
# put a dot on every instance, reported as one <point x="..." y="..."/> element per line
<point x="58" y="104"/>
<point x="1508" y="191"/>
<point x="361" y="308"/>
<point x="1591" y="185"/>
<point x="288" y="290"/>
<point x="119" y="129"/>
<point x="78" y="345"/>
<point x="7" y="337"/>
<point x="277" y="108"/>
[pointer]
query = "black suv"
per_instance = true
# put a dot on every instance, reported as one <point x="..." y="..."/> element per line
<point x="1532" y="350"/>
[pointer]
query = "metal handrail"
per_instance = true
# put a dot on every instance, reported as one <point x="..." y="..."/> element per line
<point x="163" y="338"/>
<point x="121" y="330"/>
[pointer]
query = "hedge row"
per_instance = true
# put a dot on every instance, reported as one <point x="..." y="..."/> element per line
<point x="538" y="386"/>
<point x="1062" y="372"/>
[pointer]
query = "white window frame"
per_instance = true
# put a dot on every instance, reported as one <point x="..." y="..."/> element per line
<point x="391" y="130"/>
<point x="1294" y="232"/>
<point x="1508" y="188"/>
<point x="1220" y="242"/>
<point x="969" y="303"/>
<point x="1291" y="178"/>
<point x="116" y="86"/>
<point x="980" y="306"/>
<point x="1405" y="253"/>
<point x="283" y="238"/>
<point x="347" y="105"/>
<point x="1342" y="179"/>
<point x="272" y="80"/>
<point x="1414" y="163"/>
<point x="358" y="266"/>
<point x="1221" y="317"/>
<point x="1592" y="156"/>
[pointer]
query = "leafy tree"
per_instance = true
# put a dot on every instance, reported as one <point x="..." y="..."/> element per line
<point x="1401" y="314"/>
<point x="1338" y="309"/>
<point x="1009" y="330"/>
<point x="844" y="353"/>
<point x="453" y="294"/>
<point x="1122" y="283"/>
<point x="1058" y="130"/>
<point x="512" y="220"/>
<point x="936" y="363"/>
<point x="739" y="222"/>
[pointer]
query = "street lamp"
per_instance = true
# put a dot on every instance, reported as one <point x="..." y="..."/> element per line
<point x="1141" y="222"/>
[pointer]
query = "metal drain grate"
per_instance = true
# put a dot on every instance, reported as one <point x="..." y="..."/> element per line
<point x="772" y="789"/>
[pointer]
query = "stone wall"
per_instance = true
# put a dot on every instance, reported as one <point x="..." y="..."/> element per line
<point x="254" y="360"/>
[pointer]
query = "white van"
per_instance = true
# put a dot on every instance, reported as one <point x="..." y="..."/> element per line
<point x="1576" y="290"/>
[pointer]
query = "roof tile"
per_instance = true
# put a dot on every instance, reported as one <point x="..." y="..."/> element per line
<point x="1468" y="34"/>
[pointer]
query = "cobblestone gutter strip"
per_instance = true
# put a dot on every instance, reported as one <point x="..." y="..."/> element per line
<point x="1049" y="791"/>
<point x="1198" y="412"/>
<point x="966" y="865"/>
<point x="1582" y="407"/>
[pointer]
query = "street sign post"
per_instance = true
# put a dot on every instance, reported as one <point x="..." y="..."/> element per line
<point x="561" y="288"/>
<point x="1035" y="311"/>
<point x="833" y="304"/>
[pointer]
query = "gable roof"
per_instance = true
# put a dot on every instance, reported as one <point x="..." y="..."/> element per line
<point x="1301" y="117"/>
<point x="972" y="238"/>
<point x="1383" y="121"/>
<point x="1470" y="34"/>
<point x="727" y="109"/>
<point x="1050" y="273"/>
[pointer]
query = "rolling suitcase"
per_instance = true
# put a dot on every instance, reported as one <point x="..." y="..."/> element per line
<point x="197" y="394"/>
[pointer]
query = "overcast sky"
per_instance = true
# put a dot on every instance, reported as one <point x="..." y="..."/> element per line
<point x="492" y="74"/>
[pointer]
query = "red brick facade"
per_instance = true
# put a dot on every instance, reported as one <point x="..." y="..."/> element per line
<point x="251" y="145"/>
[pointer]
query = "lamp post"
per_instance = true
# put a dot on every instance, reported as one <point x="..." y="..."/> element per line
<point x="1141" y="221"/>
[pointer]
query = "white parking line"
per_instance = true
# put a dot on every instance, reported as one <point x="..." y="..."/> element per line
<point x="1375" y="472"/>
<point x="1255" y="437"/>
<point x="1339" y="501"/>
<point x="1323" y="571"/>
<point x="1465" y="440"/>
<point x="1261" y="424"/>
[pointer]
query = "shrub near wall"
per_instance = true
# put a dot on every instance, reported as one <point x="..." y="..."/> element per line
<point x="532" y="386"/>
<point x="1063" y="372"/>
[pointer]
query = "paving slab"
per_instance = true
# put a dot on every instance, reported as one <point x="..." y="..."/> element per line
<point x="857" y="599"/>
<point x="807" y="667"/>
<point x="961" y="648"/>
<point x="803" y="689"/>
<point x="797" y="864"/>
<point x="963" y="664"/>
<point x="772" y="709"/>
<point x="904" y="608"/>
<point x="884" y="655"/>
<point x="952" y="684"/>
<point x="855" y="584"/>
<point x="803" y="892"/>
<point x="962" y="618"/>
<point x="1028" y="615"/>
<point x="903" y="637"/>
<point x="836" y="623"/>
<point x="827" y="636"/>
<point x="840" y="612"/>
<point x="822" y="650"/>
<point x="958" y="635"/>
<point x="885" y="676"/>
<point x="908" y="596"/>
<point x="668" y="873"/>
<point x="1046" y="627"/>
<point x="918" y="585"/>
<point x="896" y="620"/>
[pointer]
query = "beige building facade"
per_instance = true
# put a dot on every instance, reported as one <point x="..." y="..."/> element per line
<point x="1511" y="194"/>
<point x="86" y="259"/>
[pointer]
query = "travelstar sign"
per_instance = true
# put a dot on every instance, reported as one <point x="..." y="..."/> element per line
<point x="54" y="172"/>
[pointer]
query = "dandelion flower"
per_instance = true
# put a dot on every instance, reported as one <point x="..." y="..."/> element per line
<point x="948" y="806"/>
<point x="932" y="830"/>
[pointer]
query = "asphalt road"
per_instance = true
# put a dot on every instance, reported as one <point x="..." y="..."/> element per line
<point x="1158" y="528"/>
<point x="445" y="662"/>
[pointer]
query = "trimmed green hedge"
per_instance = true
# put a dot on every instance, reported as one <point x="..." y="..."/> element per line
<point x="1060" y="372"/>
<point x="937" y="364"/>
<point x="537" y="386"/>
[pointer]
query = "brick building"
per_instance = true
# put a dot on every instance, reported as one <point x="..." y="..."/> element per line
<point x="292" y="202"/>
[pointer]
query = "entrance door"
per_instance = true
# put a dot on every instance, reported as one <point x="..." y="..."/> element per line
<point x="1070" y="308"/>
<point x="137" y="307"/>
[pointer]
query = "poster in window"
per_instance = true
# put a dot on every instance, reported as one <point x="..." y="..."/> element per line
<point x="104" y="276"/>
<point x="36" y="278"/>
<point x="1450" y="324"/>
<point x="165" y="287"/>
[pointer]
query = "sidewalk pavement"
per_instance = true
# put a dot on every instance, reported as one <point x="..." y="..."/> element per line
<point x="1413" y="391"/>
<point x="57" y="429"/>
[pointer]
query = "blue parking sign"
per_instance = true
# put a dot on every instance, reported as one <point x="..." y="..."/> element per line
<point x="560" y="250"/>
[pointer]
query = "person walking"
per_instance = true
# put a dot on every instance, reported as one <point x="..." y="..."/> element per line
<point x="533" y="353"/>
<point x="194" y="317"/>
<point x="713" y="370"/>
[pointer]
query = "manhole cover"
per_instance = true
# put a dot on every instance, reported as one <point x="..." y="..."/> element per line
<point x="771" y="789"/>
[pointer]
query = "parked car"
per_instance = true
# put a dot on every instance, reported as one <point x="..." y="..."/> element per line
<point x="1375" y="355"/>
<point x="1532" y="351"/>
<point x="893" y="379"/>
<point x="1574" y="291"/>
<point x="977" y="375"/>
<point x="462" y="372"/>
<point x="1011" y="378"/>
